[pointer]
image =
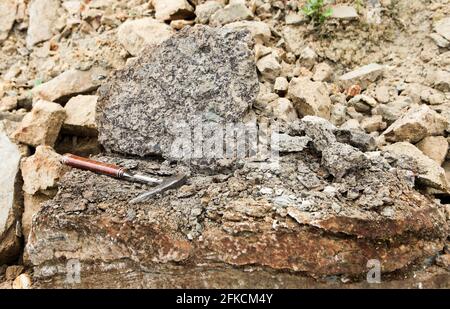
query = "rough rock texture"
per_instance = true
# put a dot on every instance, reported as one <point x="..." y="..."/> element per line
<point x="417" y="123"/>
<point x="309" y="98"/>
<point x="235" y="11"/>
<point x="435" y="147"/>
<point x="259" y="30"/>
<point x="204" y="11"/>
<point x="80" y="111"/>
<point x="136" y="34"/>
<point x="43" y="17"/>
<point x="326" y="210"/>
<point x="8" y="10"/>
<point x="429" y="172"/>
<point x="10" y="199"/>
<point x="69" y="83"/>
<point x="41" y="126"/>
<point x="200" y="72"/>
<point x="42" y="170"/>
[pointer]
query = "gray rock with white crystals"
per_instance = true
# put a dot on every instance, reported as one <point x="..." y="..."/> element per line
<point x="202" y="74"/>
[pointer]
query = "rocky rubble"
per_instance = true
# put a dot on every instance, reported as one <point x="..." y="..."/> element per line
<point x="368" y="183"/>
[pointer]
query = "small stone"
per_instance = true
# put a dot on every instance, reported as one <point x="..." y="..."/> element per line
<point x="12" y="272"/>
<point x="322" y="72"/>
<point x="373" y="124"/>
<point x="261" y="51"/>
<point x="351" y="124"/>
<point x="308" y="57"/>
<point x="173" y="9"/>
<point x="42" y="171"/>
<point x="442" y="27"/>
<point x="8" y="10"/>
<point x="356" y="138"/>
<point x="269" y="67"/>
<point x="338" y="114"/>
<point x="353" y="91"/>
<point x="432" y="96"/>
<point x="8" y="104"/>
<point x="410" y="157"/>
<point x="235" y="11"/>
<point x="440" y="80"/>
<point x="284" y="110"/>
<point x="439" y="40"/>
<point x="417" y="123"/>
<point x="435" y="147"/>
<point x="343" y="12"/>
<point x="41" y="126"/>
<point x="80" y="112"/>
<point x="43" y="17"/>
<point x="23" y="281"/>
<point x="281" y="86"/>
<point x="260" y="31"/>
<point x="294" y="19"/>
<point x="393" y="110"/>
<point x="309" y="98"/>
<point x="291" y="35"/>
<point x="136" y="34"/>
<point x="205" y="10"/>
<point x="71" y="82"/>
<point x="362" y="76"/>
<point x="382" y="94"/>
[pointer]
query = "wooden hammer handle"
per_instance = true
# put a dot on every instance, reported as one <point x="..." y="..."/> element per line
<point x="93" y="166"/>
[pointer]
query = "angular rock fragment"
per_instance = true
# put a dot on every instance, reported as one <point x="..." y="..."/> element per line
<point x="136" y="34"/>
<point x="435" y="147"/>
<point x="69" y="83"/>
<point x="266" y="219"/>
<point x="172" y="9"/>
<point x="393" y="110"/>
<point x="80" y="111"/>
<point x="41" y="126"/>
<point x="284" y="110"/>
<point x="43" y="17"/>
<point x="322" y="72"/>
<point x="235" y="11"/>
<point x="429" y="172"/>
<point x="269" y="67"/>
<point x="291" y="35"/>
<point x="200" y="72"/>
<point x="10" y="199"/>
<point x="8" y="10"/>
<point x="281" y="85"/>
<point x="309" y="98"/>
<point x="42" y="171"/>
<point x="344" y="12"/>
<point x="440" y="80"/>
<point x="442" y="27"/>
<point x="32" y="203"/>
<point x="362" y="76"/>
<point x="260" y="31"/>
<point x="373" y="124"/>
<point x="419" y="122"/>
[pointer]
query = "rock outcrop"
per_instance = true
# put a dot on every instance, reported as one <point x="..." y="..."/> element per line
<point x="342" y="208"/>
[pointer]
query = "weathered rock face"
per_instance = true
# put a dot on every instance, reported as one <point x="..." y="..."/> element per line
<point x="343" y="208"/>
<point x="10" y="200"/>
<point x="43" y="16"/>
<point x="200" y="72"/>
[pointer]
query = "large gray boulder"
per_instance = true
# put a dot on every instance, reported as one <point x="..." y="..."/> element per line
<point x="201" y="72"/>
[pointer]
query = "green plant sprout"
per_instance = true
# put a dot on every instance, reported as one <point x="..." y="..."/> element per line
<point x="315" y="9"/>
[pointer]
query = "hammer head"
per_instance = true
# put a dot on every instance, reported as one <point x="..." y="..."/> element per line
<point x="167" y="184"/>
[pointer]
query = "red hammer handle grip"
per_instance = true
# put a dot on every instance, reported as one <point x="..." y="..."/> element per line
<point x="93" y="166"/>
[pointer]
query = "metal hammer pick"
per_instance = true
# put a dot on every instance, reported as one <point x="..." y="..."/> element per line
<point x="161" y="184"/>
